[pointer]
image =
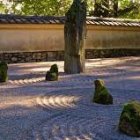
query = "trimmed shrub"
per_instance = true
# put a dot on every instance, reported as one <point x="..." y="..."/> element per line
<point x="52" y="75"/>
<point x="130" y="119"/>
<point x="3" y="72"/>
<point x="101" y="94"/>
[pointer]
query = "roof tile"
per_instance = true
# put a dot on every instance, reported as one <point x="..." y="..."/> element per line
<point x="16" y="19"/>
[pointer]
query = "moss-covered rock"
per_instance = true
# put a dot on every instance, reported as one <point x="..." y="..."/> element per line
<point x="101" y="94"/>
<point x="130" y="119"/>
<point x="3" y="72"/>
<point x="52" y="74"/>
<point x="54" y="69"/>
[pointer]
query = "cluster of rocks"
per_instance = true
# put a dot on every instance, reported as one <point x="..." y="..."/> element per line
<point x="51" y="75"/>
<point x="130" y="117"/>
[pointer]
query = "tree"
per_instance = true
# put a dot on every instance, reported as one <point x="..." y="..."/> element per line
<point x="2" y="8"/>
<point x="98" y="8"/>
<point x="116" y="8"/>
<point x="44" y="7"/>
<point x="129" y="9"/>
<point x="75" y="32"/>
<point x="101" y="8"/>
<point x="41" y="7"/>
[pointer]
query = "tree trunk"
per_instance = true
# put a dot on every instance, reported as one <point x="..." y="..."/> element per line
<point x="75" y="33"/>
<point x="101" y="8"/>
<point x="97" y="9"/>
<point x="106" y="8"/>
<point x="115" y="8"/>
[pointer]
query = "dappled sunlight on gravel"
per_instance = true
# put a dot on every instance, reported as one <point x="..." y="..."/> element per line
<point x="34" y="109"/>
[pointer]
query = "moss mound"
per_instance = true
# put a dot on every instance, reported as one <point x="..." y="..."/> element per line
<point x="54" y="69"/>
<point x="130" y="119"/>
<point x="52" y="74"/>
<point x="101" y="94"/>
<point x="3" y="72"/>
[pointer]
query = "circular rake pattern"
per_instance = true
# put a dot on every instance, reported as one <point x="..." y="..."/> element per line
<point x="74" y="125"/>
<point x="75" y="117"/>
<point x="57" y="101"/>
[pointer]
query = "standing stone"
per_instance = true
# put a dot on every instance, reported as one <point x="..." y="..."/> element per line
<point x="75" y="33"/>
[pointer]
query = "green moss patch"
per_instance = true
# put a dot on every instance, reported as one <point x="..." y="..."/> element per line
<point x="52" y="74"/>
<point x="3" y="72"/>
<point x="130" y="119"/>
<point x="54" y="69"/>
<point x="101" y="94"/>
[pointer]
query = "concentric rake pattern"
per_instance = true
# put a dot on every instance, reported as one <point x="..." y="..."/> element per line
<point x="64" y="110"/>
<point x="75" y="117"/>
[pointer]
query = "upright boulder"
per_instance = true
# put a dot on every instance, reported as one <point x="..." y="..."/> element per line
<point x="130" y="119"/>
<point x="3" y="72"/>
<point x="101" y="94"/>
<point x="52" y="74"/>
<point x="75" y="35"/>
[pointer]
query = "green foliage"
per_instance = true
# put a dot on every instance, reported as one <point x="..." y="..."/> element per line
<point x="3" y="72"/>
<point x="100" y="8"/>
<point x="101" y="94"/>
<point x="130" y="119"/>
<point x="44" y="7"/>
<point x="116" y="8"/>
<point x="129" y="9"/>
<point x="2" y="8"/>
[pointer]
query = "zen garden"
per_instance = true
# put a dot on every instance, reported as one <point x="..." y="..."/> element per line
<point x="70" y="70"/>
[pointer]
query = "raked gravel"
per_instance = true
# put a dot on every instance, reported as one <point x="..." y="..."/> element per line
<point x="32" y="109"/>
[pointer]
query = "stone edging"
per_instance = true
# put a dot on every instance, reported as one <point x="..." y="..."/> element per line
<point x="38" y="56"/>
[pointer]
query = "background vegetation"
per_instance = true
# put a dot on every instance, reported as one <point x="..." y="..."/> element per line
<point x="98" y="8"/>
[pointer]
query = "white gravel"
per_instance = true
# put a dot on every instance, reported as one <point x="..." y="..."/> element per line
<point x="32" y="109"/>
